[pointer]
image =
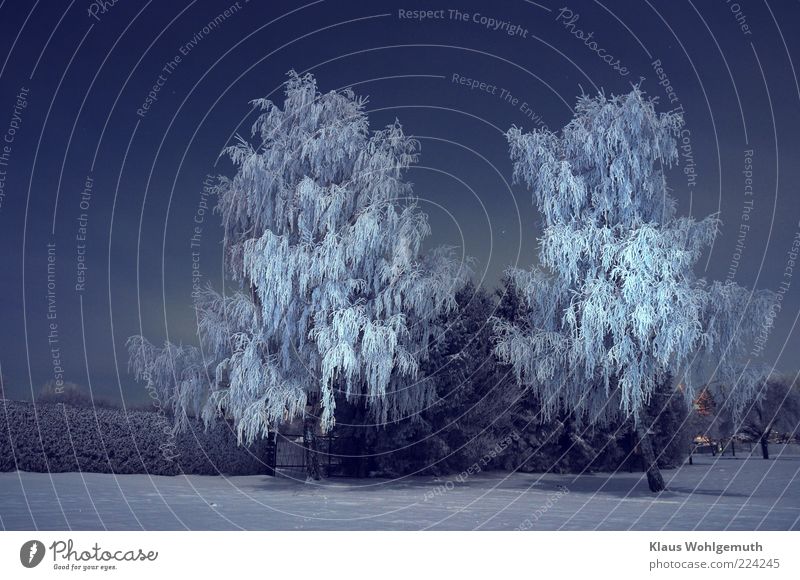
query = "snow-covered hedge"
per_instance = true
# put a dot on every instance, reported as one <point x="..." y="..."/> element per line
<point x="55" y="437"/>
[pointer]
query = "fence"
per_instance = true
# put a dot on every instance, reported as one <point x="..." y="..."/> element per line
<point x="746" y="448"/>
<point x="289" y="455"/>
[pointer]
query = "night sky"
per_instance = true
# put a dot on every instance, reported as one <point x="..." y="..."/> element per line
<point x="101" y="186"/>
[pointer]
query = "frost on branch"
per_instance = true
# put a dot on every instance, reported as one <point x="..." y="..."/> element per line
<point x="615" y="307"/>
<point x="337" y="298"/>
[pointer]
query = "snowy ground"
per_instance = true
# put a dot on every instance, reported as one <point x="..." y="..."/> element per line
<point x="714" y="493"/>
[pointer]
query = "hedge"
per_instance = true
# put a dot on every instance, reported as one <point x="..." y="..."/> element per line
<point x="57" y="438"/>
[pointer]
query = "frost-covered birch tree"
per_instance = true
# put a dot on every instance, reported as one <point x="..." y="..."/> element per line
<point x="614" y="308"/>
<point x="335" y="298"/>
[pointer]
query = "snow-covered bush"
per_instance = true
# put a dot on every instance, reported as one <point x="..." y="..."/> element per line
<point x="58" y="438"/>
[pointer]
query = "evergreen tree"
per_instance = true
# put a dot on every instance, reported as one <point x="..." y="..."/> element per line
<point x="474" y="407"/>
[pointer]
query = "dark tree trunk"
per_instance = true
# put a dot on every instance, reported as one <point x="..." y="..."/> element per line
<point x="573" y="440"/>
<point x="654" y="479"/>
<point x="271" y="455"/>
<point x="764" y="445"/>
<point x="313" y="471"/>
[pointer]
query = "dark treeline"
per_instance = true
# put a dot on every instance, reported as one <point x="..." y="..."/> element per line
<point x="483" y="420"/>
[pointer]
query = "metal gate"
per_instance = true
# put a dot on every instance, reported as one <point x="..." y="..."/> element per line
<point x="289" y="455"/>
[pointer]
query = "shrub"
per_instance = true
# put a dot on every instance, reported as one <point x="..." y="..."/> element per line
<point x="57" y="438"/>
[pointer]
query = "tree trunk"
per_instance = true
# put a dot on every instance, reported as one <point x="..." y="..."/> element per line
<point x="654" y="479"/>
<point x="272" y="453"/>
<point x="313" y="471"/>
<point x="579" y="444"/>
<point x="764" y="440"/>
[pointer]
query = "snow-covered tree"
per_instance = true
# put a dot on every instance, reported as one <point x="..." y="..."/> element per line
<point x="774" y="408"/>
<point x="614" y="308"/>
<point x="324" y="238"/>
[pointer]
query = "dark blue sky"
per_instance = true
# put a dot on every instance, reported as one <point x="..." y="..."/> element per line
<point x="74" y="88"/>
